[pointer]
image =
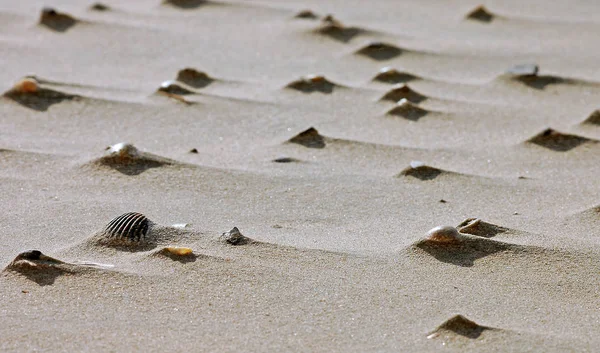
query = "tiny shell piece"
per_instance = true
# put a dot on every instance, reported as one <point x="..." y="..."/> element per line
<point x="179" y="251"/>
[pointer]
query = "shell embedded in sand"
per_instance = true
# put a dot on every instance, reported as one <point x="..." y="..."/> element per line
<point x="390" y="75"/>
<point x="558" y="141"/>
<point x="32" y="259"/>
<point x="122" y="151"/>
<point x="524" y="70"/>
<point x="179" y="251"/>
<point x="408" y="110"/>
<point x="131" y="226"/>
<point x="421" y="171"/>
<point x="444" y="235"/>
<point x="27" y="85"/>
<point x="56" y="20"/>
<point x="234" y="237"/>
<point x="403" y="91"/>
<point x="173" y="87"/>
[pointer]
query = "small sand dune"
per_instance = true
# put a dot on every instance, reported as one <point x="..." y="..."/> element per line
<point x="313" y="83"/>
<point x="458" y="326"/>
<point x="558" y="141"/>
<point x="393" y="76"/>
<point x="43" y="269"/>
<point x="593" y="119"/>
<point x="306" y="15"/>
<point x="309" y="138"/>
<point x="127" y="159"/>
<point x="31" y="93"/>
<point x="528" y="74"/>
<point x="380" y="51"/>
<point x="481" y="14"/>
<point x="55" y="20"/>
<point x="403" y="91"/>
<point x="100" y="7"/>
<point x="408" y="110"/>
<point x="334" y="29"/>
<point x="190" y="4"/>
<point x="421" y="171"/>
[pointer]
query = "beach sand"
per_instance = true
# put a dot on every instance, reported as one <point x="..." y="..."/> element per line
<point x="334" y="135"/>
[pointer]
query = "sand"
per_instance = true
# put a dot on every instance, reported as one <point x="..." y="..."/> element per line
<point x="333" y="144"/>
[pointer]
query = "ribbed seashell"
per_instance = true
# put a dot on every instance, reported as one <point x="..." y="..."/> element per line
<point x="235" y="237"/>
<point x="131" y="226"/>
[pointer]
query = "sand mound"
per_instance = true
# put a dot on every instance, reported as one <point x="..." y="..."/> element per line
<point x="408" y="110"/>
<point x="30" y="93"/>
<point x="480" y="14"/>
<point x="380" y="51"/>
<point x="127" y="159"/>
<point x="458" y="325"/>
<point x="99" y="7"/>
<point x="42" y="269"/>
<point x="393" y="76"/>
<point x="188" y="4"/>
<point x="335" y="29"/>
<point x="422" y="172"/>
<point x="313" y="83"/>
<point x="446" y="244"/>
<point x="307" y="15"/>
<point x="476" y="226"/>
<point x="558" y="141"/>
<point x="56" y="21"/>
<point x="194" y="78"/>
<point x="593" y="119"/>
<point x="528" y="74"/>
<point x="403" y="91"/>
<point x="309" y="138"/>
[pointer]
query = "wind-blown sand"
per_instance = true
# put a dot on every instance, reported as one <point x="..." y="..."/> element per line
<point x="334" y="135"/>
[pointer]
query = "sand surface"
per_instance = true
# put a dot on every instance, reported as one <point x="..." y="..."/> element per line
<point x="334" y="178"/>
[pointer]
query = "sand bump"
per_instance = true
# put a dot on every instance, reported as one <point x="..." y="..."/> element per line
<point x="558" y="141"/>
<point x="458" y="325"/>
<point x="30" y="93"/>
<point x="403" y="91"/>
<point x="408" y="110"/>
<point x="421" y="171"/>
<point x="593" y="119"/>
<point x="476" y="226"/>
<point x="480" y="14"/>
<point x="393" y="76"/>
<point x="309" y="138"/>
<point x="194" y="78"/>
<point x="380" y="51"/>
<point x="56" y="21"/>
<point x="313" y="83"/>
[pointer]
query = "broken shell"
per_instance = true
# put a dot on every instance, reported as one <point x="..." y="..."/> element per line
<point x="179" y="251"/>
<point x="131" y="226"/>
<point x="173" y="87"/>
<point x="444" y="235"/>
<point x="123" y="150"/>
<point x="234" y="237"/>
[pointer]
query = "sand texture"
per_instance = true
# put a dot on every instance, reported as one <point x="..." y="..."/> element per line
<point x="263" y="176"/>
